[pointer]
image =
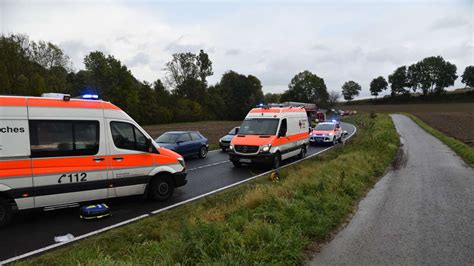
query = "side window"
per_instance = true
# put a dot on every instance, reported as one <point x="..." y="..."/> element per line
<point x="51" y="138"/>
<point x="195" y="136"/>
<point x="127" y="136"/>
<point x="184" y="137"/>
<point x="283" y="127"/>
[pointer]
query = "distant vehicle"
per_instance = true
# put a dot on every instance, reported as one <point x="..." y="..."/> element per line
<point x="186" y="143"/>
<point x="269" y="135"/>
<point x="224" y="142"/>
<point x="327" y="132"/>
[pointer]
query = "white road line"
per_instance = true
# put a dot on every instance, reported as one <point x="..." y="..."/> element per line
<point x="208" y="165"/>
<point x="38" y="251"/>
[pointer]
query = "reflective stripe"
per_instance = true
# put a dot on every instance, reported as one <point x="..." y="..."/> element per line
<point x="15" y="168"/>
<point x="73" y="103"/>
<point x="12" y="101"/>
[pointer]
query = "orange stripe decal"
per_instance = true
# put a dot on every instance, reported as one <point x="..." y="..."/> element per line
<point x="12" y="101"/>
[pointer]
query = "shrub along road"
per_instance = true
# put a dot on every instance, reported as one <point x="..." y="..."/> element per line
<point x="421" y="213"/>
<point x="36" y="230"/>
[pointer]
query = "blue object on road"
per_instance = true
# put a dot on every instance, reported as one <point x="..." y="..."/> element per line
<point x="96" y="211"/>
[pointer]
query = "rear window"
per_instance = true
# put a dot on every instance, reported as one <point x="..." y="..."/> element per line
<point x="50" y="138"/>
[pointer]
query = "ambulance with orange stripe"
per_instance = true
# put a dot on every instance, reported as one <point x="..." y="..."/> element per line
<point x="56" y="152"/>
<point x="269" y="135"/>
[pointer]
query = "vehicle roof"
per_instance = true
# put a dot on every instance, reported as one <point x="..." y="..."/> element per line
<point x="31" y="101"/>
<point x="179" y="132"/>
<point x="328" y="123"/>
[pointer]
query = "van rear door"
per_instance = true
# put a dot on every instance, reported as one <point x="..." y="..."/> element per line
<point x="15" y="163"/>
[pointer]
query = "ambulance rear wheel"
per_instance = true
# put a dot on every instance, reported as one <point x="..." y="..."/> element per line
<point x="302" y="152"/>
<point x="203" y="152"/>
<point x="161" y="188"/>
<point x="5" y="212"/>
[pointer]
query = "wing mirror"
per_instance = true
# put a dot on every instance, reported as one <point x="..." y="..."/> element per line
<point x="150" y="147"/>
<point x="345" y="133"/>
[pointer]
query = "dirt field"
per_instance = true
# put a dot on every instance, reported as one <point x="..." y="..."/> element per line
<point x="414" y="108"/>
<point x="213" y="130"/>
<point x="459" y="125"/>
<point x="455" y="120"/>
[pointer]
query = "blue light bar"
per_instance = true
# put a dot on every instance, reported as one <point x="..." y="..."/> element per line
<point x="90" y="96"/>
<point x="334" y="121"/>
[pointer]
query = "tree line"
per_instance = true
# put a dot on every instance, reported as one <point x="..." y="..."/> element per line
<point x="35" y="67"/>
<point x="428" y="77"/>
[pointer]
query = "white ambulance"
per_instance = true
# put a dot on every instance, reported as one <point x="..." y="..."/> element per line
<point x="269" y="135"/>
<point x="58" y="152"/>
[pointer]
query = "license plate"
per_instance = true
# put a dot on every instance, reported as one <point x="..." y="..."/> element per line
<point x="245" y="160"/>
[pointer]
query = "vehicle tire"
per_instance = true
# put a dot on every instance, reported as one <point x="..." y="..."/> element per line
<point x="5" y="212"/>
<point x="276" y="161"/>
<point x="223" y="149"/>
<point x="302" y="152"/>
<point x="236" y="164"/>
<point x="334" y="141"/>
<point x="161" y="188"/>
<point x="340" y="139"/>
<point x="203" y="152"/>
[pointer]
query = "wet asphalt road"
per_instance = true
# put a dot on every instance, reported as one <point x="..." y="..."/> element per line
<point x="35" y="230"/>
<point x="420" y="213"/>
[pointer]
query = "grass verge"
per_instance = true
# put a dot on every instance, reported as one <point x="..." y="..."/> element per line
<point x="260" y="222"/>
<point x="463" y="150"/>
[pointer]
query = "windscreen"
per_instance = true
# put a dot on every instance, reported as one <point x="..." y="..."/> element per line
<point x="168" y="138"/>
<point x="233" y="131"/>
<point x="325" y="127"/>
<point x="259" y="127"/>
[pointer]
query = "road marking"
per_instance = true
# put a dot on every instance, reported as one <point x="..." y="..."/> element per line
<point x="208" y="165"/>
<point x="38" y="251"/>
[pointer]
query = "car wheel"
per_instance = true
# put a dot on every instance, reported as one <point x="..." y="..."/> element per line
<point x="203" y="152"/>
<point x="161" y="188"/>
<point x="302" y="152"/>
<point x="224" y="149"/>
<point x="236" y="164"/>
<point x="276" y="161"/>
<point x="5" y="212"/>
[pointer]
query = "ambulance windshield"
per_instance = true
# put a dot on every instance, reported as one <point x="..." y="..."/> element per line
<point x="259" y="126"/>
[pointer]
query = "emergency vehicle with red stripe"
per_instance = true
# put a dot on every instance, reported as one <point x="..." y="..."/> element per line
<point x="56" y="152"/>
<point x="269" y="135"/>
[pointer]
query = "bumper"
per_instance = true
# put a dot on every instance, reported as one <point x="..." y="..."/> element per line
<point x="224" y="145"/>
<point x="263" y="158"/>
<point x="180" y="179"/>
<point x="315" y="140"/>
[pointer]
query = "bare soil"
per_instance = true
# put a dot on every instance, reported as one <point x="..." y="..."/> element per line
<point x="213" y="130"/>
<point x="459" y="125"/>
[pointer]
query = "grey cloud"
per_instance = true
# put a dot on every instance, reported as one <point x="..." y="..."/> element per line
<point x="138" y="60"/>
<point x="77" y="50"/>
<point x="233" y="52"/>
<point x="449" y="23"/>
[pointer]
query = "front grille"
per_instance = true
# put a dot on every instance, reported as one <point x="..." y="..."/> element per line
<point x="246" y="149"/>
<point x="225" y="141"/>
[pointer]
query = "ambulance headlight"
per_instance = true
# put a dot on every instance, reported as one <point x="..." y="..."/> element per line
<point x="181" y="162"/>
<point x="231" y="147"/>
<point x="330" y="134"/>
<point x="266" y="148"/>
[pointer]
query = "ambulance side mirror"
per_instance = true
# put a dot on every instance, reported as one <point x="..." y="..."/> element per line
<point x="150" y="147"/>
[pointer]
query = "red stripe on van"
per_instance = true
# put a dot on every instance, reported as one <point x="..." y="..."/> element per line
<point x="12" y="101"/>
<point x="59" y="103"/>
<point x="15" y="168"/>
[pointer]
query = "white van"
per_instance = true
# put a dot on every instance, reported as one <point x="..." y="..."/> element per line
<point x="269" y="135"/>
<point x="58" y="152"/>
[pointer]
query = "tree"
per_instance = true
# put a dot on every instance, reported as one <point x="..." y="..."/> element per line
<point x="414" y="76"/>
<point x="50" y="56"/>
<point x="306" y="87"/>
<point x="350" y="89"/>
<point x="398" y="81"/>
<point x="205" y="66"/>
<point x="436" y="74"/>
<point x="333" y="98"/>
<point x="272" y="97"/>
<point x="377" y="85"/>
<point x="181" y="68"/>
<point x="468" y="76"/>
<point x="240" y="93"/>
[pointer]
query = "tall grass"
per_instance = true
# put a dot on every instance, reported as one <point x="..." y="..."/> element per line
<point x="260" y="222"/>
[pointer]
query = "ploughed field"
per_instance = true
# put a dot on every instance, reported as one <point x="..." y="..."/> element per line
<point x="213" y="130"/>
<point x="455" y="120"/>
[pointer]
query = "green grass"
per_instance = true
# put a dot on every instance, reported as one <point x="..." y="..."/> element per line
<point x="259" y="222"/>
<point x="463" y="150"/>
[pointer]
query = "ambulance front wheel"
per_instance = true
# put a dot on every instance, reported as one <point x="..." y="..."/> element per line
<point x="161" y="188"/>
<point x="276" y="161"/>
<point x="5" y="212"/>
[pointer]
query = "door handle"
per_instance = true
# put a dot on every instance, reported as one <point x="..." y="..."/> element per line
<point x="118" y="158"/>
<point x="98" y="159"/>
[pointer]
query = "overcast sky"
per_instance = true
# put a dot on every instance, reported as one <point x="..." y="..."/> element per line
<point x="348" y="40"/>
